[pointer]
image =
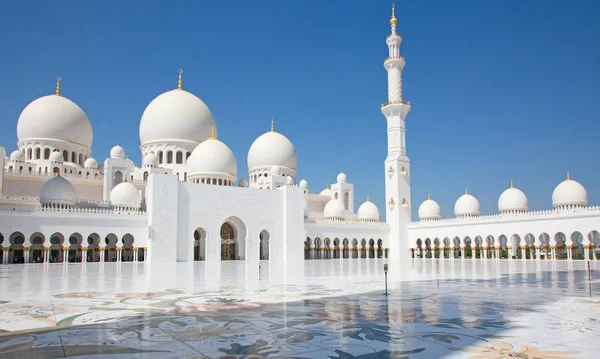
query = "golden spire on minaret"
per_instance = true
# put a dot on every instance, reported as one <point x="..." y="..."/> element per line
<point x="180" y="80"/>
<point x="393" y="20"/>
<point x="58" y="86"/>
<point x="213" y="136"/>
<point x="272" y="124"/>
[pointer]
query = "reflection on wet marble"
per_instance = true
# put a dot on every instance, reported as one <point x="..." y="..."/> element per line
<point x="328" y="309"/>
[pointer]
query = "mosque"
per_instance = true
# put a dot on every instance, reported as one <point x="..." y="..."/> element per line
<point x="59" y="205"/>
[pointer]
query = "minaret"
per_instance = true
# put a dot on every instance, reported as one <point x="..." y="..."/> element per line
<point x="397" y="164"/>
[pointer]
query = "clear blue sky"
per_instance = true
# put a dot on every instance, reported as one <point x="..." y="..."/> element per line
<point x="501" y="91"/>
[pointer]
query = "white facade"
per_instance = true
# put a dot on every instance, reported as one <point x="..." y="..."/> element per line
<point x="57" y="204"/>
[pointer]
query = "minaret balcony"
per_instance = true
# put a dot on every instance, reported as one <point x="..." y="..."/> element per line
<point x="394" y="62"/>
<point x="401" y="102"/>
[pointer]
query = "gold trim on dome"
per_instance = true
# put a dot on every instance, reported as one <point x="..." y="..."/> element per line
<point x="58" y="86"/>
<point x="180" y="80"/>
<point x="393" y="20"/>
<point x="213" y="135"/>
<point x="272" y="124"/>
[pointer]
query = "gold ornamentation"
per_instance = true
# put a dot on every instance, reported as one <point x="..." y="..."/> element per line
<point x="429" y="197"/>
<point x="401" y="102"/>
<point x="404" y="202"/>
<point x="466" y="191"/>
<point x="46" y="249"/>
<point x="368" y="199"/>
<point x="511" y="184"/>
<point x="26" y="249"/>
<point x="58" y="86"/>
<point x="391" y="202"/>
<point x="213" y="136"/>
<point x="180" y="80"/>
<point x="84" y="249"/>
<point x="65" y="249"/>
<point x="391" y="170"/>
<point x="393" y="20"/>
<point x="272" y="124"/>
<point x="568" y="176"/>
<point x="119" y="249"/>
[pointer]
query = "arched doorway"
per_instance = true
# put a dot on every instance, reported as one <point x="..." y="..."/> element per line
<point x="93" y="249"/>
<point x="379" y="248"/>
<point x="265" y="242"/>
<point x="37" y="250"/>
<point x="371" y="248"/>
<point x="345" y="248"/>
<point x="74" y="254"/>
<point x="117" y="178"/>
<point x="56" y="248"/>
<point x="228" y="242"/>
<point x="15" y="242"/>
<point x="127" y="250"/>
<point x="199" y="245"/>
<point x="110" y="249"/>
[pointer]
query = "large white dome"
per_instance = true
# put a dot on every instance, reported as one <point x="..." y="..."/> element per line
<point x="569" y="193"/>
<point x="91" y="163"/>
<point x="212" y="157"/>
<point x="334" y="209"/>
<point x="368" y="212"/>
<point x="430" y="209"/>
<point x="513" y="199"/>
<point x="55" y="117"/>
<point x="176" y="115"/>
<point x="466" y="205"/>
<point x="150" y="160"/>
<point x="272" y="149"/>
<point x="125" y="194"/>
<point x="58" y="190"/>
<point x="117" y="152"/>
<point x="326" y="192"/>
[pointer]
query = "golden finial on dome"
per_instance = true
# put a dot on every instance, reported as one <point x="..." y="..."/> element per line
<point x="568" y="176"/>
<point x="327" y="186"/>
<point x="58" y="86"/>
<point x="466" y="191"/>
<point x="368" y="200"/>
<point x="429" y="196"/>
<point x="511" y="184"/>
<point x="180" y="80"/>
<point x="272" y="124"/>
<point x="393" y="20"/>
<point x="213" y="135"/>
<point x="58" y="172"/>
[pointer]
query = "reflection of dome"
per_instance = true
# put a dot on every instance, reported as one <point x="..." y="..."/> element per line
<point x="334" y="209"/>
<point x="243" y="183"/>
<point x="56" y="156"/>
<point x="368" y="211"/>
<point x="429" y="209"/>
<point x="272" y="149"/>
<point x="91" y="163"/>
<point x="58" y="190"/>
<point x="150" y="160"/>
<point x="17" y="156"/>
<point x="54" y="118"/>
<point x="513" y="199"/>
<point x="326" y="192"/>
<point x="342" y="178"/>
<point x="212" y="157"/>
<point x="466" y="205"/>
<point x="125" y="194"/>
<point x="569" y="193"/>
<point x="117" y="152"/>
<point x="176" y="115"/>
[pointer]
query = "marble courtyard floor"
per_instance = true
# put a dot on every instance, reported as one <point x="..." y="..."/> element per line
<point x="328" y="309"/>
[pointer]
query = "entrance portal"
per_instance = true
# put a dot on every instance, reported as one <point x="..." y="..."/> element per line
<point x="228" y="244"/>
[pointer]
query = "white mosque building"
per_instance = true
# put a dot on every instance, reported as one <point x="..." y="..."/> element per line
<point x="58" y="204"/>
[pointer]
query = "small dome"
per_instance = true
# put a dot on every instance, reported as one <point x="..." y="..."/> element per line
<point x="368" y="211"/>
<point x="466" y="205"/>
<point x="243" y="183"/>
<point x="326" y="192"/>
<point x="513" y="199"/>
<point x="290" y="180"/>
<point x="125" y="194"/>
<point x="57" y="157"/>
<point x="275" y="171"/>
<point x="91" y="163"/>
<point x="58" y="190"/>
<point x="150" y="160"/>
<point x="569" y="193"/>
<point x="176" y="115"/>
<point x="430" y="209"/>
<point x="55" y="118"/>
<point x="212" y="157"/>
<point x="303" y="183"/>
<point x="334" y="209"/>
<point x="17" y="156"/>
<point x="117" y="152"/>
<point x="342" y="178"/>
<point x="305" y="207"/>
<point x="272" y="149"/>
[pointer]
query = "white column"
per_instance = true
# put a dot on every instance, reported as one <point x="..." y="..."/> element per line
<point x="119" y="254"/>
<point x="83" y="255"/>
<point x="135" y="254"/>
<point x="102" y="254"/>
